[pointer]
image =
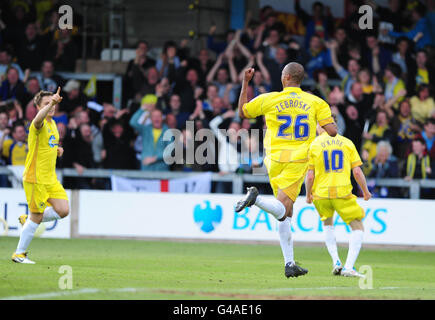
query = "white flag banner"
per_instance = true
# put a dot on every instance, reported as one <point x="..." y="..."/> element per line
<point x="200" y="183"/>
<point x="17" y="177"/>
<point x="134" y="185"/>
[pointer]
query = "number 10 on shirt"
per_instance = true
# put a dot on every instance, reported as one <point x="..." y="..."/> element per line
<point x="333" y="160"/>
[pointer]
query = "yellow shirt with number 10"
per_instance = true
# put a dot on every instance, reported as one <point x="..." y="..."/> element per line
<point x="332" y="159"/>
<point x="291" y="119"/>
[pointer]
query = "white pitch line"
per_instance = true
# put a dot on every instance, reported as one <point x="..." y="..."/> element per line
<point x="66" y="293"/>
<point x="335" y="288"/>
<point x="52" y="294"/>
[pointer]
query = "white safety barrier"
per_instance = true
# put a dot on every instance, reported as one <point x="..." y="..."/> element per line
<point x="211" y="216"/>
<point x="13" y="204"/>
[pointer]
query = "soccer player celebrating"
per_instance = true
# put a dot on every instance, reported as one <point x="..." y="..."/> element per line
<point x="46" y="197"/>
<point x="291" y="119"/>
<point x="328" y="183"/>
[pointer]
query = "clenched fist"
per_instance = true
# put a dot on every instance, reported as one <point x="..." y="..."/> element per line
<point x="249" y="73"/>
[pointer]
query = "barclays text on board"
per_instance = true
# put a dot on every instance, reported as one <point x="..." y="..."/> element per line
<point x="212" y="216"/>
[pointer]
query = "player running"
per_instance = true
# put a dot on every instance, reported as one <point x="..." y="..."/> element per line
<point x="46" y="197"/>
<point x="291" y="119"/>
<point x="328" y="182"/>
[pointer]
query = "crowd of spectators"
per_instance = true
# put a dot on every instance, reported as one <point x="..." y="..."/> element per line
<point x="383" y="100"/>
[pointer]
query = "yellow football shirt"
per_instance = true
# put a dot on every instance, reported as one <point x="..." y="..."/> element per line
<point x="291" y="119"/>
<point x="421" y="110"/>
<point x="15" y="152"/>
<point x="156" y="134"/>
<point x="40" y="164"/>
<point x="422" y="76"/>
<point x="332" y="159"/>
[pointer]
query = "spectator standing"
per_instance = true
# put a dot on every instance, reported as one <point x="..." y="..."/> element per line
<point x="135" y="74"/>
<point x="418" y="164"/>
<point x="180" y="116"/>
<point x="15" y="150"/>
<point x="6" y="63"/>
<point x="420" y="33"/>
<point x="82" y="156"/>
<point x="48" y="79"/>
<point x="393" y="83"/>
<point x="118" y="151"/>
<point x="153" y="146"/>
<point x="188" y="89"/>
<point x="319" y="23"/>
<point x="349" y="76"/>
<point x="428" y="135"/>
<point x="384" y="165"/>
<point x="422" y="105"/>
<point x="13" y="88"/>
<point x="380" y="131"/>
<point x="321" y="87"/>
<point x="169" y="62"/>
<point x="404" y="128"/>
<point x="63" y="52"/>
<point x="377" y="56"/>
<point x="31" y="49"/>
<point x="74" y="100"/>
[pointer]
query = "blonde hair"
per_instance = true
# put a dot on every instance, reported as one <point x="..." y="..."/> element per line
<point x="41" y="94"/>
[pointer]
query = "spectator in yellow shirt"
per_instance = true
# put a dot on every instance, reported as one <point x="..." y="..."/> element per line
<point x="15" y="149"/>
<point x="393" y="83"/>
<point x="422" y="105"/>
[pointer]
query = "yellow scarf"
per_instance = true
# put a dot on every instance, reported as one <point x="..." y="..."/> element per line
<point x="412" y="163"/>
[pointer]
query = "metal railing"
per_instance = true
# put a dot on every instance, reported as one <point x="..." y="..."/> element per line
<point x="237" y="180"/>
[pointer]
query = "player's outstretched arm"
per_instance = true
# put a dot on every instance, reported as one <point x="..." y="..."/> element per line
<point x="309" y="185"/>
<point x="243" y="98"/>
<point x="42" y="113"/>
<point x="361" y="180"/>
<point x="331" y="129"/>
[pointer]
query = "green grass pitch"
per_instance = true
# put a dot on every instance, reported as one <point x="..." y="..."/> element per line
<point x="132" y="269"/>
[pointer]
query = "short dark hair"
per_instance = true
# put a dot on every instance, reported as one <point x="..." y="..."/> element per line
<point x="422" y="87"/>
<point x="142" y="41"/>
<point x="169" y="44"/>
<point x="430" y="120"/>
<point x="317" y="72"/>
<point x="420" y="139"/>
<point x="41" y="94"/>
<point x="12" y="68"/>
<point x="394" y="68"/>
<point x="32" y="78"/>
<point x="16" y="124"/>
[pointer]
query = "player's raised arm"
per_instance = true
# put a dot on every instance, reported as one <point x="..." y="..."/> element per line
<point x="361" y="180"/>
<point x="243" y="98"/>
<point x="44" y="110"/>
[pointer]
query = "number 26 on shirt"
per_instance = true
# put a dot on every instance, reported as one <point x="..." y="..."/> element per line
<point x="300" y="130"/>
